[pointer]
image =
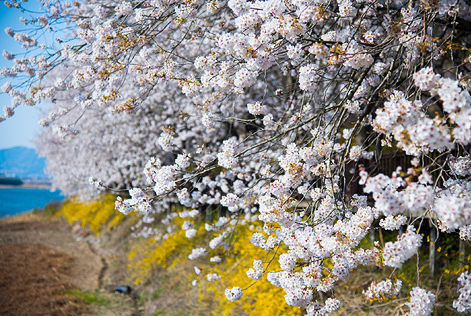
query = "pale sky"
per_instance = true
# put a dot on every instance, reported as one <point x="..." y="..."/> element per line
<point x="20" y="129"/>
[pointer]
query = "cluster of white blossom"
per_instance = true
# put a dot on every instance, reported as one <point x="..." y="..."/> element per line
<point x="234" y="294"/>
<point x="407" y="245"/>
<point x="465" y="232"/>
<point x="463" y="303"/>
<point x="393" y="222"/>
<point x="212" y="277"/>
<point x="330" y="306"/>
<point x="257" y="271"/>
<point x="453" y="205"/>
<point x="461" y="166"/>
<point x="190" y="232"/>
<point x="421" y="302"/>
<point x="418" y="133"/>
<point x="138" y="201"/>
<point x="197" y="252"/>
<point x="227" y="158"/>
<point x="383" y="289"/>
<point x="392" y="199"/>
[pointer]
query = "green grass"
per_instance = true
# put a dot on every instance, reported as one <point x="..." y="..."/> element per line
<point x="89" y="297"/>
<point x="158" y="292"/>
<point x="100" y="303"/>
<point x="142" y="296"/>
<point x="160" y="312"/>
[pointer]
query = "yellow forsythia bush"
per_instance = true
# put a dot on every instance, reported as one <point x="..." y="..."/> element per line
<point x="96" y="214"/>
<point x="168" y="252"/>
<point x="260" y="298"/>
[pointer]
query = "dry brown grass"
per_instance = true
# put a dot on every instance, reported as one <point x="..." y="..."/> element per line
<point x="349" y="292"/>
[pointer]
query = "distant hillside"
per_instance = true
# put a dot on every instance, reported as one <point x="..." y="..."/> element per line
<point x="23" y="163"/>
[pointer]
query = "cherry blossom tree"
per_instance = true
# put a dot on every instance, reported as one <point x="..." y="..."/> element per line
<point x="270" y="110"/>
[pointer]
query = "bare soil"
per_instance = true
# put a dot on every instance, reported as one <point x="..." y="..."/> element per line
<point x="41" y="262"/>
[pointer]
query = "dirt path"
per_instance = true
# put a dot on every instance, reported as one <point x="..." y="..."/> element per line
<point x="42" y="261"/>
<point x="85" y="267"/>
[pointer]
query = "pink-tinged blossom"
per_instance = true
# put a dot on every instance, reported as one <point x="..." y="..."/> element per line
<point x="426" y="79"/>
<point x="461" y="166"/>
<point x="407" y="245"/>
<point x="227" y="158"/>
<point x="234" y="294"/>
<point x="124" y="8"/>
<point x="319" y="50"/>
<point x="384" y="289"/>
<point x="307" y="77"/>
<point x="331" y="305"/>
<point x="465" y="233"/>
<point x="257" y="239"/>
<point x="421" y="302"/>
<point x="298" y="297"/>
<point x="295" y="53"/>
<point x="356" y="58"/>
<point x="9" y="31"/>
<point x="453" y="211"/>
<point x="257" y="271"/>
<point x="231" y="201"/>
<point x="245" y="78"/>
<point x="287" y="262"/>
<point x="463" y="303"/>
<point x="257" y="108"/>
<point x="393" y="222"/>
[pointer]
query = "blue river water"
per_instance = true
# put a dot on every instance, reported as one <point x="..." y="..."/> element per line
<point x="18" y="200"/>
